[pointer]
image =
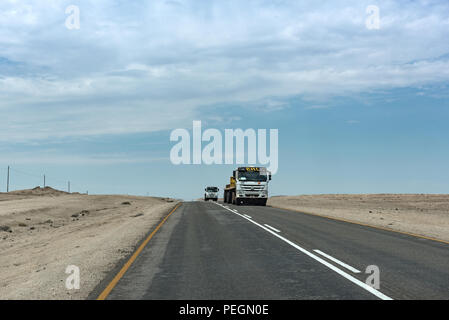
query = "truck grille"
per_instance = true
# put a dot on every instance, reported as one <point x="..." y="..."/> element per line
<point x="252" y="188"/>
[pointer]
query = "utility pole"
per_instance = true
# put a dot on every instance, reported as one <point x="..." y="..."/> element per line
<point x="7" y="182"/>
<point x="44" y="181"/>
<point x="69" y="186"/>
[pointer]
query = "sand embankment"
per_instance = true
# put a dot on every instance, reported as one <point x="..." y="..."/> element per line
<point x="44" y="231"/>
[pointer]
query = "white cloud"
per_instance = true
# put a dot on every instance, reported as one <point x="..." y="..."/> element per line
<point x="50" y="158"/>
<point x="316" y="107"/>
<point x="153" y="65"/>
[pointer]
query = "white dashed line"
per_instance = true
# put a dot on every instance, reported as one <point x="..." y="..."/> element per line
<point x="274" y="229"/>
<point x="349" y="277"/>
<point x="347" y="266"/>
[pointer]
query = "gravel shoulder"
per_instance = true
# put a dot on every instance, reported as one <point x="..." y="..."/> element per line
<point x="422" y="214"/>
<point x="41" y="234"/>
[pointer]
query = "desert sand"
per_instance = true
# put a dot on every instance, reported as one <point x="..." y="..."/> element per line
<point x="421" y="214"/>
<point x="42" y="231"/>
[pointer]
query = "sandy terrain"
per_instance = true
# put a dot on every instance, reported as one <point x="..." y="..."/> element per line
<point x="44" y="231"/>
<point x="422" y="214"/>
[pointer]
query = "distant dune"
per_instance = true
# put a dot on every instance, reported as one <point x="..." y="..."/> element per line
<point x="38" y="191"/>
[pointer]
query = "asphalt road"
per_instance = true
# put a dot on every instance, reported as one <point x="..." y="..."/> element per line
<point x="208" y="251"/>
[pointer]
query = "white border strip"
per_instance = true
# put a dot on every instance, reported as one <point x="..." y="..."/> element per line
<point x="347" y="266"/>
<point x="361" y="284"/>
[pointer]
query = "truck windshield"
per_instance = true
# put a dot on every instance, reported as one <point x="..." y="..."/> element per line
<point x="252" y="176"/>
<point x="212" y="189"/>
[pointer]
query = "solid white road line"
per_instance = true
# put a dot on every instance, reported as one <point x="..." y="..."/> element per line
<point x="356" y="281"/>
<point x="347" y="266"/>
<point x="249" y="217"/>
<point x="268" y="226"/>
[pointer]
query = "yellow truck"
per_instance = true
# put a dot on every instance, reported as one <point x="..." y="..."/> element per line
<point x="248" y="185"/>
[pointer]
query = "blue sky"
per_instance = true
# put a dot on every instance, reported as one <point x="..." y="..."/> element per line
<point x="358" y="110"/>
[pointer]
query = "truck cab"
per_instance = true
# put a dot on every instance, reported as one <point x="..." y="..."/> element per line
<point x="211" y="193"/>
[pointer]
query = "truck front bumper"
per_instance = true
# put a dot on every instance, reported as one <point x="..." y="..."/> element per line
<point x="256" y="200"/>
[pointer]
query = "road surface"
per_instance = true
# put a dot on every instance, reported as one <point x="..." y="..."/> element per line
<point x="225" y="252"/>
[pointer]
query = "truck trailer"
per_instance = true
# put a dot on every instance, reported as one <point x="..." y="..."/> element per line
<point x="248" y="185"/>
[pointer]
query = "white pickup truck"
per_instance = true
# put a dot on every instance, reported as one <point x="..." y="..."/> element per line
<point x="211" y="193"/>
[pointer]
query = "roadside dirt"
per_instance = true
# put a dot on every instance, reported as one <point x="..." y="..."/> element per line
<point x="422" y="214"/>
<point x="44" y="231"/>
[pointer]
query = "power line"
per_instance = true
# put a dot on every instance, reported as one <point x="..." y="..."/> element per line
<point x="45" y="177"/>
<point x="25" y="173"/>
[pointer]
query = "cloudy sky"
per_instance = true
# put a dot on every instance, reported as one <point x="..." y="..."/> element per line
<point x="358" y="109"/>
